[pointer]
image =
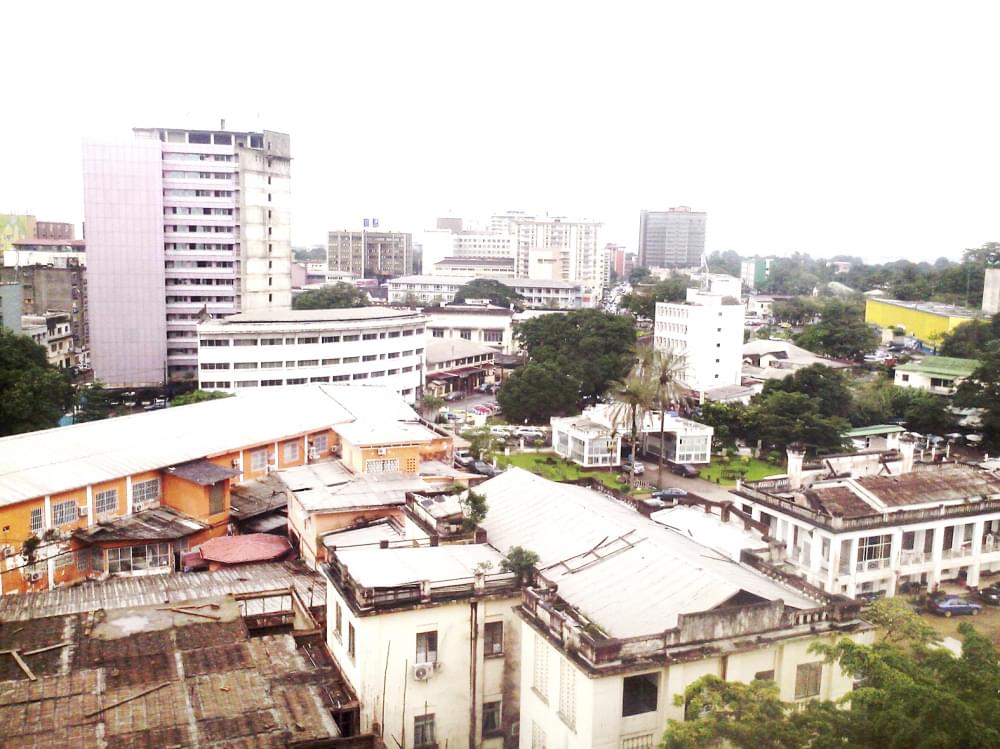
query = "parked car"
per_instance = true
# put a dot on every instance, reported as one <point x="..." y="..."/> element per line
<point x="686" y="470"/>
<point x="636" y="469"/>
<point x="668" y="493"/>
<point x="484" y="469"/>
<point x="870" y="596"/>
<point x="952" y="605"/>
<point x="454" y="396"/>
<point x="990" y="595"/>
<point x="464" y="461"/>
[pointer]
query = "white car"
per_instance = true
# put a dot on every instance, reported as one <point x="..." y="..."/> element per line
<point x="636" y="469"/>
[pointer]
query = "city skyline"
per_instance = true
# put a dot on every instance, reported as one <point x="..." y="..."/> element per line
<point x="796" y="128"/>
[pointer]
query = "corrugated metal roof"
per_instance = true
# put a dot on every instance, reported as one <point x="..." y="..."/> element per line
<point x="127" y="592"/>
<point x="373" y="567"/>
<point x="626" y="572"/>
<point x="65" y="458"/>
<point x="367" y="432"/>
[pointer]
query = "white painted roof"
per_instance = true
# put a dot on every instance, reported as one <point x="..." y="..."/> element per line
<point x="65" y="458"/>
<point x="330" y="486"/>
<point x="371" y="534"/>
<point x="441" y="350"/>
<point x="626" y="572"/>
<point x="367" y="432"/>
<point x="372" y="567"/>
<point x="709" y="530"/>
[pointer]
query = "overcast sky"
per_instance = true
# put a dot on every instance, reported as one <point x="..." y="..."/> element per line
<point x="862" y="128"/>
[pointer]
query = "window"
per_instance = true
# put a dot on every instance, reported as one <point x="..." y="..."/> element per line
<point x="491" y="718"/>
<point x="807" y="679"/>
<point x="245" y="365"/>
<point x="291" y="450"/>
<point x="36" y="520"/>
<point x="567" y="693"/>
<point x="107" y="501"/>
<point x="308" y="362"/>
<point x="873" y="551"/>
<point x="493" y="638"/>
<point x="331" y="339"/>
<point x="64" y="512"/>
<point x="537" y="736"/>
<point x="905" y="378"/>
<point x="269" y="383"/>
<point x="350" y="640"/>
<point x="338" y="621"/>
<point x="382" y="466"/>
<point x="764" y="675"/>
<point x="639" y="694"/>
<point x="214" y="342"/>
<point x="423" y="730"/>
<point x="540" y="672"/>
<point x="492" y="336"/>
<point x="270" y="341"/>
<point x="350" y="338"/>
<point x="258" y="460"/>
<point x="369" y="357"/>
<point x="321" y="442"/>
<point x="216" y="498"/>
<point x="427" y="647"/>
<point x="330" y="361"/>
<point x="311" y="339"/>
<point x="270" y="365"/>
<point x="466" y="334"/>
<point x="437" y="333"/>
<point x="295" y="381"/>
<point x="245" y="342"/>
<point x="120" y="560"/>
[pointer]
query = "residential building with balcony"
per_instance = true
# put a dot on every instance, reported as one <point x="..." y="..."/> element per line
<point x="181" y="225"/>
<point x="485" y="324"/>
<point x="442" y="289"/>
<point x="706" y="332"/>
<point x="100" y="474"/>
<point x="273" y="348"/>
<point x="623" y="613"/>
<point x="877" y="520"/>
<point x="940" y="375"/>
<point x="54" y="332"/>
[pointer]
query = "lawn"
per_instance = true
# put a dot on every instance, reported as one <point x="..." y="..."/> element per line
<point x="561" y="470"/>
<point x="758" y="469"/>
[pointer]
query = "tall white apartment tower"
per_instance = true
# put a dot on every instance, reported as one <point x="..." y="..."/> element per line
<point x="707" y="333"/>
<point x="182" y="225"/>
<point x="553" y="248"/>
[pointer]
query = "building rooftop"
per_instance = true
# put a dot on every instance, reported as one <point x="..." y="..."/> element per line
<point x="483" y="262"/>
<point x="128" y="592"/>
<point x="462" y="280"/>
<point x="945" y="366"/>
<point x="148" y="677"/>
<point x="351" y="314"/>
<point x="365" y="433"/>
<point x="441" y="350"/>
<point x="51" y="461"/>
<point x="202" y="472"/>
<point x="933" y="308"/>
<point x="255" y="498"/>
<point x="76" y="245"/>
<point x="374" y="533"/>
<point x="874" y="430"/>
<point x="710" y="530"/>
<point x="157" y="524"/>
<point x="629" y="574"/>
<point x="244" y="549"/>
<point x="330" y="486"/>
<point x="372" y="567"/>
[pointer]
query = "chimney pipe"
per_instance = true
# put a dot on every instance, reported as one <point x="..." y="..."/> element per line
<point x="906" y="447"/>
<point x="796" y="455"/>
<point x="222" y="124"/>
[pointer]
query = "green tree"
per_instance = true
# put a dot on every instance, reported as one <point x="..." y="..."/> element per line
<point x="827" y="387"/>
<point x="590" y="346"/>
<point x="841" y="332"/>
<point x="95" y="403"/>
<point x="969" y="340"/>
<point x="496" y="291"/>
<point x="199" y="396"/>
<point x="538" y="391"/>
<point x="632" y="399"/>
<point x="474" y="509"/>
<point x="780" y="419"/>
<point x="520" y="561"/>
<point x="333" y="296"/>
<point x="638" y="274"/>
<point x="33" y="394"/>
<point x="430" y="404"/>
<point x="661" y="371"/>
<point x="728" y="262"/>
<point x="642" y="301"/>
<point x="982" y="390"/>
<point x="727" y="419"/>
<point x="795" y="311"/>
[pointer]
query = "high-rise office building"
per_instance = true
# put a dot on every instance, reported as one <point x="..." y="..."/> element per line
<point x="181" y="225"/>
<point x="671" y="239"/>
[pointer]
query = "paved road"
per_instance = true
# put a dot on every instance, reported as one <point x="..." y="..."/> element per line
<point x="698" y="486"/>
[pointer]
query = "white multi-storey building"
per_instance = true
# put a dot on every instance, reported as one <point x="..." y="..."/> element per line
<point x="363" y="346"/>
<point x="870" y="522"/>
<point x="707" y="332"/>
<point x="442" y="289"/>
<point x="181" y="223"/>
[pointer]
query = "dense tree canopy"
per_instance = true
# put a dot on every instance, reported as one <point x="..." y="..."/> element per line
<point x="590" y="346"/>
<point x="910" y="695"/>
<point x="536" y="392"/>
<point x="198" y="396"/>
<point x="828" y="387"/>
<point x="841" y="331"/>
<point x="95" y="403"/>
<point x="333" y="296"/>
<point x="728" y="262"/>
<point x="982" y="390"/>
<point x="778" y="419"/>
<point x="33" y="394"/>
<point x="638" y="274"/>
<point x="489" y="288"/>
<point x="969" y="340"/>
<point x="642" y="301"/>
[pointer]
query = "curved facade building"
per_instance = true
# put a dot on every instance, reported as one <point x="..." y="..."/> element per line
<point x="363" y="346"/>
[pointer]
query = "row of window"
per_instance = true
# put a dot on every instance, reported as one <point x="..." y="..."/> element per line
<point x="312" y="362"/>
<point x="105" y="501"/>
<point x="226" y="384"/>
<point x="307" y="340"/>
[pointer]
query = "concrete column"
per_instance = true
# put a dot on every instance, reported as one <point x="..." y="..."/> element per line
<point x="47" y="514"/>
<point x="894" y="554"/>
<point x="129" y="500"/>
<point x="937" y="546"/>
<point x="795" y="458"/>
<point x="853" y="568"/>
<point x="815" y="557"/>
<point x="90" y="506"/>
<point x="834" y="572"/>
<point x="977" y="551"/>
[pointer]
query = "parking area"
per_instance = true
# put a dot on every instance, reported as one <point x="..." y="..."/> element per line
<point x="987" y="621"/>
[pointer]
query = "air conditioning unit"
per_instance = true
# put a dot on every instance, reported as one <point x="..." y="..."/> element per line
<point x="83" y="511"/>
<point x="7" y="551"/>
<point x="423" y="671"/>
<point x="383" y="451"/>
<point x="34" y="577"/>
<point x="236" y="462"/>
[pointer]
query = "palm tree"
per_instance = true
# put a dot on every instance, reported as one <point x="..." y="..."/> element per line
<point x="632" y="398"/>
<point x="660" y="371"/>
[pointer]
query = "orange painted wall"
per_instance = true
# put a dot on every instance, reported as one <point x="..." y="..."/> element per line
<point x="248" y="473"/>
<point x="301" y="454"/>
<point x="15" y="522"/>
<point x="320" y="523"/>
<point x="193" y="500"/>
<point x="120" y="509"/>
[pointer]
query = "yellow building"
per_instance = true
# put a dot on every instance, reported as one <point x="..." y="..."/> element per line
<point x="925" y="321"/>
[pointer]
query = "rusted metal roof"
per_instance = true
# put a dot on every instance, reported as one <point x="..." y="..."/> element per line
<point x="253" y="547"/>
<point x="931" y="484"/>
<point x="157" y="524"/>
<point x="202" y="472"/>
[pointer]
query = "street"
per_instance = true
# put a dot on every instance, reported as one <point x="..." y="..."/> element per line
<point x="698" y="486"/>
